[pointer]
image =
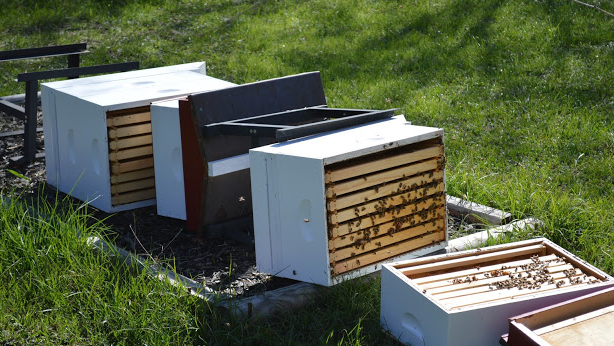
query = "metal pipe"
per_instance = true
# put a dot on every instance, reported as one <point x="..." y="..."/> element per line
<point x="19" y="98"/>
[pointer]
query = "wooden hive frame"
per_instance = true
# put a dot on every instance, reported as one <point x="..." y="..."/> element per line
<point x="131" y="155"/>
<point x="491" y="276"/>
<point x="383" y="205"/>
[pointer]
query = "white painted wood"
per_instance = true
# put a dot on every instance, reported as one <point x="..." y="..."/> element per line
<point x="77" y="83"/>
<point x="478" y="239"/>
<point x="51" y="137"/>
<point x="74" y="118"/>
<point x="477" y="212"/>
<point x="414" y="317"/>
<point x="168" y="162"/>
<point x="228" y="165"/>
<point x="289" y="203"/>
<point x="336" y="146"/>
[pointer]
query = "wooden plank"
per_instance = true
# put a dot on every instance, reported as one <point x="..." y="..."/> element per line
<point x="130" y="142"/>
<point x="497" y="295"/>
<point x="475" y="212"/>
<point x="129" y="119"/>
<point x="123" y="167"/>
<point x="476" y="259"/>
<point x="412" y="214"/>
<point x="578" y="263"/>
<point x="464" y="288"/>
<point x="448" y="284"/>
<point x="442" y="279"/>
<point x="469" y="253"/>
<point x="373" y="180"/>
<point x="127" y="131"/>
<point x="485" y="285"/>
<point x="387" y="252"/>
<point x="382" y="164"/>
<point x="568" y="309"/>
<point x="385" y="240"/>
<point x="136" y="196"/>
<point x="134" y="175"/>
<point x="591" y="329"/>
<point x="521" y="335"/>
<point x="127" y="111"/>
<point x="131" y="153"/>
<point x="359" y="197"/>
<point x="352" y="238"/>
<point x="406" y="199"/>
<point x="565" y="322"/>
<point x="133" y="185"/>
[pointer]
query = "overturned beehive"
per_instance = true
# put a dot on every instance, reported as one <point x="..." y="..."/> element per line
<point x="393" y="201"/>
<point x="466" y="298"/>
<point x="98" y="139"/>
<point x="337" y="205"/>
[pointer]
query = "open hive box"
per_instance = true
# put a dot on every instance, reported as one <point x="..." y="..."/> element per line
<point x="336" y="205"/>
<point x="582" y="321"/>
<point x="466" y="298"/>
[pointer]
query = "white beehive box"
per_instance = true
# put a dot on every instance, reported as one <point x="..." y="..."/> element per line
<point x="98" y="143"/>
<point x="334" y="206"/>
<point x="466" y="298"/>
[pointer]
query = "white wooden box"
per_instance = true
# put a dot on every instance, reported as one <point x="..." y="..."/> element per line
<point x="336" y="205"/>
<point x="98" y="143"/>
<point x="464" y="298"/>
<point x="168" y="160"/>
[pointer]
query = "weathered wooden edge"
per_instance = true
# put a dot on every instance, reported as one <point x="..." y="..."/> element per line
<point x="477" y="212"/>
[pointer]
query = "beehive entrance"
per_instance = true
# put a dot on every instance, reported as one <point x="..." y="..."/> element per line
<point x="383" y="205"/>
<point x="130" y="155"/>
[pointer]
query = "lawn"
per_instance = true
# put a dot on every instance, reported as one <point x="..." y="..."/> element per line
<point x="524" y="91"/>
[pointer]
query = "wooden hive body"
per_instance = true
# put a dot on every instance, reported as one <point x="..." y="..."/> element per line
<point x="466" y="298"/>
<point x="583" y="321"/>
<point x="98" y="142"/>
<point x="337" y="205"/>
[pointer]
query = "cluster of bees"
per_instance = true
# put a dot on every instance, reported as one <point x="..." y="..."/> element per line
<point x="382" y="208"/>
<point x="532" y="276"/>
<point x="403" y="198"/>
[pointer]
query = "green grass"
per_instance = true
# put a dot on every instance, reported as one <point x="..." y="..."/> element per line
<point x="56" y="290"/>
<point x="524" y="91"/>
